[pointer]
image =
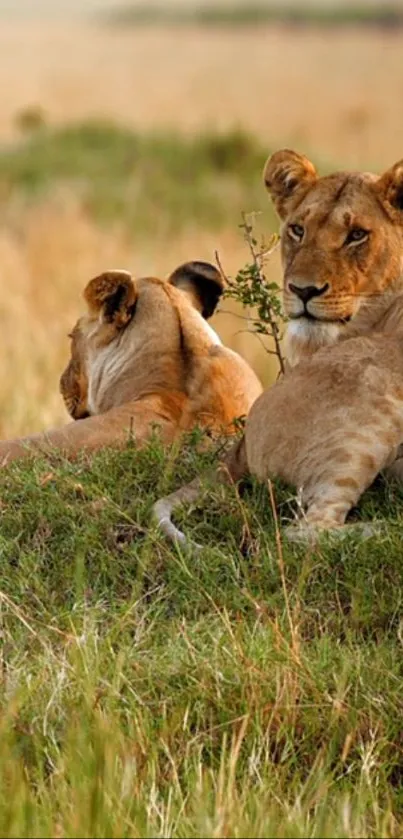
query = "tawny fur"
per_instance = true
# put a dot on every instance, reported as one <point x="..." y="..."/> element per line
<point x="143" y="357"/>
<point x="336" y="419"/>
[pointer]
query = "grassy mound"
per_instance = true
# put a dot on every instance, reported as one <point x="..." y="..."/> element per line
<point x="246" y="691"/>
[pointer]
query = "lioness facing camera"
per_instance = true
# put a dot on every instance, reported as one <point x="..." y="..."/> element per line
<point x="336" y="419"/>
<point x="143" y="356"/>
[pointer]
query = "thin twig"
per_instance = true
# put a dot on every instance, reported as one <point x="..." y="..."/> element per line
<point x="257" y="261"/>
<point x="221" y="269"/>
<point x="251" y="289"/>
<point x="259" y="338"/>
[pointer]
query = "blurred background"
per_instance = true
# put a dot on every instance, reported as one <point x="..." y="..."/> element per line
<point x="133" y="135"/>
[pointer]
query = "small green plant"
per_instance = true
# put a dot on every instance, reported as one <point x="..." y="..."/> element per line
<point x="251" y="288"/>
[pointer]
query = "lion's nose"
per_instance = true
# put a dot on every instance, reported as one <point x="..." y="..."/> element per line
<point x="306" y="293"/>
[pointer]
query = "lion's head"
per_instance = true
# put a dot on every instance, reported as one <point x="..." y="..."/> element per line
<point x="138" y="336"/>
<point x="341" y="247"/>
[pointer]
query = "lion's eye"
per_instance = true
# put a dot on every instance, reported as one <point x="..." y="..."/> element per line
<point x="296" y="231"/>
<point x="356" y="236"/>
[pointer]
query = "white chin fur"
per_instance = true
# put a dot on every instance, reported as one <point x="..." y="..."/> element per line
<point x="303" y="337"/>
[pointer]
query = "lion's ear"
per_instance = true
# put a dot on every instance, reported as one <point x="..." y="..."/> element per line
<point x="287" y="176"/>
<point x="202" y="282"/>
<point x="112" y="297"/>
<point x="389" y="188"/>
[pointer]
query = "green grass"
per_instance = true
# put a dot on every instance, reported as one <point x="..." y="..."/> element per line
<point x="148" y="692"/>
<point x="241" y="14"/>
<point x="147" y="181"/>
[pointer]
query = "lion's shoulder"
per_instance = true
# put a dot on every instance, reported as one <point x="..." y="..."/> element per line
<point x="148" y="338"/>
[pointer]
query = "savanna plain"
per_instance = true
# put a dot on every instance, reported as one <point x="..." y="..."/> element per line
<point x="257" y="688"/>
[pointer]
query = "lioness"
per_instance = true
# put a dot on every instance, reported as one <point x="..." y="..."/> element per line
<point x="336" y="419"/>
<point x="144" y="355"/>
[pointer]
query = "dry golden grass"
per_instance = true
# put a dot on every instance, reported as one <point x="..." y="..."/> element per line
<point x="333" y="94"/>
<point x="336" y="93"/>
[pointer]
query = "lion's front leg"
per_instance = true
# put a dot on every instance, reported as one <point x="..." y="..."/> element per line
<point x="394" y="467"/>
<point x="395" y="471"/>
<point x="134" y="420"/>
<point x="329" y="499"/>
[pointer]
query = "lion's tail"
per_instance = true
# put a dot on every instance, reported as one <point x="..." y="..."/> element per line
<point x="230" y="470"/>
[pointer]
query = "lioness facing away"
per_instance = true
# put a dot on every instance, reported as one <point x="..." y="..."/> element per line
<point x="336" y="419"/>
<point x="143" y="356"/>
